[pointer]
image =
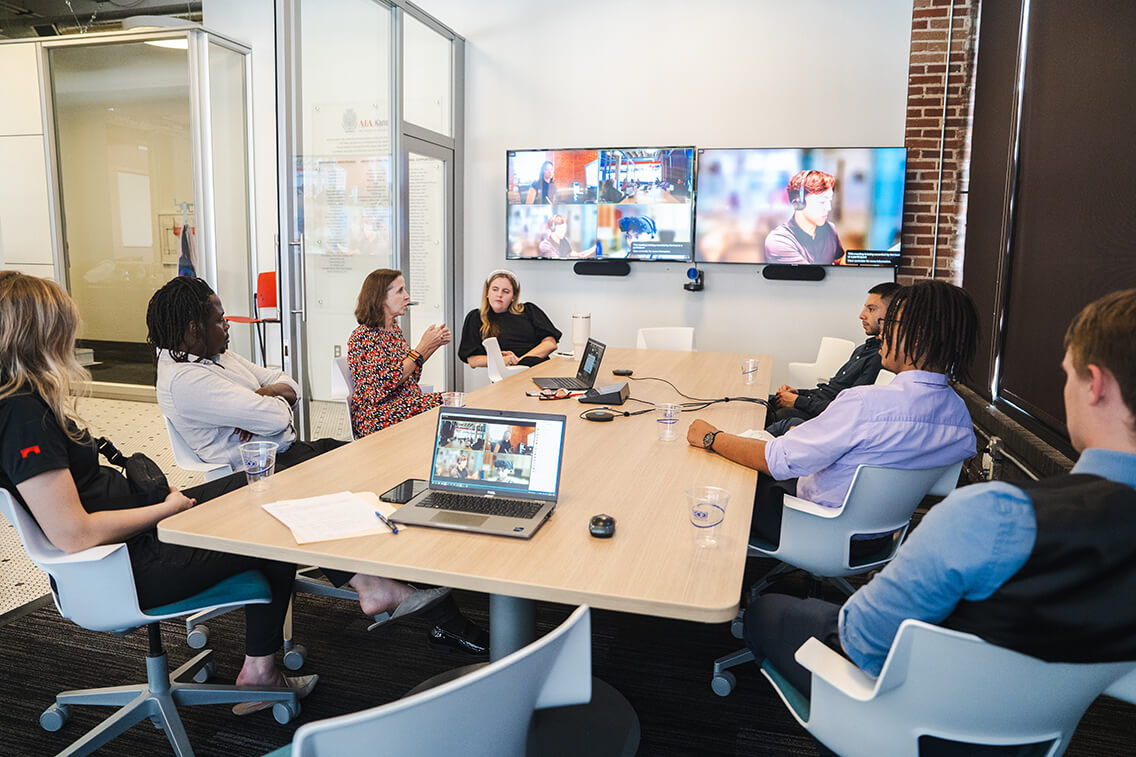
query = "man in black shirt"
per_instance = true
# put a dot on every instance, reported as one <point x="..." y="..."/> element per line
<point x="793" y="406"/>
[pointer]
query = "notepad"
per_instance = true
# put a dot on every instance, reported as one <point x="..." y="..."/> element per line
<point x="758" y="433"/>
<point x="331" y="516"/>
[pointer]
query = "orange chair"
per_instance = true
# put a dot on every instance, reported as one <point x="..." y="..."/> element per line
<point x="265" y="299"/>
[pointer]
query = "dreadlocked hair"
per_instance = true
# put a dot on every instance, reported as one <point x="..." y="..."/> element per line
<point x="180" y="302"/>
<point x="937" y="325"/>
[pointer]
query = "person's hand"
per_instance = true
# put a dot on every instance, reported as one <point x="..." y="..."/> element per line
<point x="698" y="429"/>
<point x="279" y="389"/>
<point x="510" y="358"/>
<point x="785" y="388"/>
<point x="176" y="501"/>
<point x="433" y="338"/>
<point x="786" y="397"/>
<point x="243" y="435"/>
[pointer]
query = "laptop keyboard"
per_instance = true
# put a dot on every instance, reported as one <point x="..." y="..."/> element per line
<point x="561" y="382"/>
<point x="510" y="508"/>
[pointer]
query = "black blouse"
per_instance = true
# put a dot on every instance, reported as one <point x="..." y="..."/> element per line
<point x="519" y="333"/>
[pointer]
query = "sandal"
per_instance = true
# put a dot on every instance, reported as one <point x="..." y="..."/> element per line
<point x="419" y="601"/>
<point x="302" y="685"/>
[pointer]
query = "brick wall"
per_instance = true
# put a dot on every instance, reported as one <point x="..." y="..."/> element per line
<point x="931" y="129"/>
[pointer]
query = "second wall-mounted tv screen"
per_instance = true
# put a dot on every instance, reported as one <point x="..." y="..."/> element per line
<point x="825" y="206"/>
<point x="626" y="203"/>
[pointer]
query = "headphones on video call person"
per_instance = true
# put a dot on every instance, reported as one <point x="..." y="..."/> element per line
<point x="798" y="197"/>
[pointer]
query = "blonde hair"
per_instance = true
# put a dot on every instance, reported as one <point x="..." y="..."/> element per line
<point x="38" y="322"/>
<point x="489" y="325"/>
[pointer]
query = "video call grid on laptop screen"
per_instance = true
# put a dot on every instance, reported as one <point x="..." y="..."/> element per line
<point x="589" y="363"/>
<point x="513" y="453"/>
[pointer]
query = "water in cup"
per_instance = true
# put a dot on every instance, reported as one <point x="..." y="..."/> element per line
<point x="453" y="399"/>
<point x="749" y="370"/>
<point x="259" y="460"/>
<point x="666" y="415"/>
<point x="707" y="511"/>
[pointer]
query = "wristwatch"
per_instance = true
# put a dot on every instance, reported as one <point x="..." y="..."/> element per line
<point x="708" y="440"/>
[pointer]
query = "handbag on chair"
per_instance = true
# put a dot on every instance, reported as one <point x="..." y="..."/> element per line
<point x="146" y="479"/>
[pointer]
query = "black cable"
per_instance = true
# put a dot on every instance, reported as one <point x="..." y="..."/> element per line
<point x="708" y="402"/>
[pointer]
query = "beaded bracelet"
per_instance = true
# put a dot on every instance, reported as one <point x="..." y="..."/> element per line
<point x="416" y="356"/>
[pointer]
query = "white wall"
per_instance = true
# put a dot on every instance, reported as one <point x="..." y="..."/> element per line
<point x="717" y="73"/>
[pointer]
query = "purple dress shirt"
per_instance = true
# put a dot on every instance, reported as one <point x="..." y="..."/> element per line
<point x="916" y="421"/>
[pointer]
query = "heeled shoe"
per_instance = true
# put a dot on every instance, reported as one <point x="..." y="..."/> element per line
<point x="302" y="685"/>
<point x="419" y="601"/>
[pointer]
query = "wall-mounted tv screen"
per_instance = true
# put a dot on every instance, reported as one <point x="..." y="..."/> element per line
<point x="626" y="203"/>
<point x="830" y="206"/>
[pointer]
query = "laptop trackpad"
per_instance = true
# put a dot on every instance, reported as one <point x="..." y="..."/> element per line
<point x="459" y="519"/>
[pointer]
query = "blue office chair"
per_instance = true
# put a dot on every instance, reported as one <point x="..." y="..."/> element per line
<point x="485" y="713"/>
<point x="95" y="589"/>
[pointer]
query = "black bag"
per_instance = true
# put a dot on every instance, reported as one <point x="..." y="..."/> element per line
<point x="146" y="479"/>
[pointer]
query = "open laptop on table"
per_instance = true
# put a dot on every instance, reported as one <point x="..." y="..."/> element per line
<point x="586" y="374"/>
<point x="493" y="472"/>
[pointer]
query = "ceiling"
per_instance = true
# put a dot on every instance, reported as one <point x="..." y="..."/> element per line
<point x="21" y="19"/>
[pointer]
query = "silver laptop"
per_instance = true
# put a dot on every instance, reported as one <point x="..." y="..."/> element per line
<point x="494" y="472"/>
<point x="585" y="374"/>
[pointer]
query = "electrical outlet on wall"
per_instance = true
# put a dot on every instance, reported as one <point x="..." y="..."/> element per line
<point x="338" y="350"/>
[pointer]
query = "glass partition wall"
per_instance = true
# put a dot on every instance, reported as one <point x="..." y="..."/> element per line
<point x="152" y="155"/>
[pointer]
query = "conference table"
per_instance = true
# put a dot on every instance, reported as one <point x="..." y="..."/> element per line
<point x="651" y="565"/>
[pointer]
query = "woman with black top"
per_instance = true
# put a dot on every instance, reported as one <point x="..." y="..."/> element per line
<point x="52" y="469"/>
<point x="543" y="190"/>
<point x="525" y="333"/>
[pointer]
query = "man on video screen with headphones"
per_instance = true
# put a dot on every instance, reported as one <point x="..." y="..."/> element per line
<point x="807" y="238"/>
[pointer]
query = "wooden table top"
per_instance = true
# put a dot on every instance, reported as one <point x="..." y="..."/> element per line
<point x="650" y="566"/>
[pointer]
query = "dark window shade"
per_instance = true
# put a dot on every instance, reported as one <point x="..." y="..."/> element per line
<point x="1074" y="224"/>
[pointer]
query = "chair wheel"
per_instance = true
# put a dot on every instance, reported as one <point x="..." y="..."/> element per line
<point x="157" y="722"/>
<point x="55" y="717"/>
<point x="205" y="672"/>
<point x="723" y="683"/>
<point x="285" y="712"/>
<point x="736" y="628"/>
<point x="198" y="637"/>
<point x="294" y="657"/>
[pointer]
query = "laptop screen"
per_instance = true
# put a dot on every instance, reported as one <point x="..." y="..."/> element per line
<point x="508" y="453"/>
<point x="590" y="362"/>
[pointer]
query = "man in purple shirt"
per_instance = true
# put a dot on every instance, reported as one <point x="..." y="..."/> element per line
<point x="917" y="421"/>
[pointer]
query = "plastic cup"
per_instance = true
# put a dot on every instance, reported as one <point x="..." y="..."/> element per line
<point x="259" y="460"/>
<point x="707" y="511"/>
<point x="749" y="370"/>
<point x="666" y="415"/>
<point x="453" y="399"/>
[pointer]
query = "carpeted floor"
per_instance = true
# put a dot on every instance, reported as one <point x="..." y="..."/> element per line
<point x="661" y="666"/>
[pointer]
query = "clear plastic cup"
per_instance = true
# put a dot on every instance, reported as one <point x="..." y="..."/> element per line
<point x="666" y="415"/>
<point x="749" y="370"/>
<point x="707" y="511"/>
<point x="453" y="399"/>
<point x="259" y="460"/>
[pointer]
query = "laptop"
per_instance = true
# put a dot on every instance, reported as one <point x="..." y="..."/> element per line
<point x="493" y="472"/>
<point x="585" y="375"/>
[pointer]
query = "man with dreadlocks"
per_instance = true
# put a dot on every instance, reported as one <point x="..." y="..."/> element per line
<point x="918" y="421"/>
<point x="1045" y="569"/>
<point x="217" y="400"/>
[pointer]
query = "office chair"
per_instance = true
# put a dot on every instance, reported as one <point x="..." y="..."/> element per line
<point x="95" y="589"/>
<point x="264" y="298"/>
<point x="939" y="685"/>
<point x="818" y="539"/>
<point x="884" y="377"/>
<point x="666" y="338"/>
<point x="343" y="386"/>
<point x="496" y="364"/>
<point x="485" y="713"/>
<point x="832" y="354"/>
<point x="187" y="459"/>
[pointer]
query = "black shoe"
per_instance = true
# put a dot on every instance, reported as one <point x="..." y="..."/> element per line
<point x="465" y="637"/>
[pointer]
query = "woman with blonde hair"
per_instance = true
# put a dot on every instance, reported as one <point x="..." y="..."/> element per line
<point x="51" y="467"/>
<point x="524" y="332"/>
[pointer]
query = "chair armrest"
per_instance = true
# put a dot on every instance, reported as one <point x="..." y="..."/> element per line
<point x="835" y="670"/>
<point x="810" y="508"/>
<point x="1124" y="689"/>
<point x="91" y="554"/>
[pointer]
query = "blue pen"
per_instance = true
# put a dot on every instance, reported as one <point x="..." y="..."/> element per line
<point x="387" y="523"/>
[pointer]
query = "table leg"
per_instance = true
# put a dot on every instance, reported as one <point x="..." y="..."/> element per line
<point x="512" y="625"/>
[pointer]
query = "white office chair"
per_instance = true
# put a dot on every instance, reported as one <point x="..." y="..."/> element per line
<point x="496" y="364"/>
<point x="343" y="386"/>
<point x="884" y="377"/>
<point x="95" y="589"/>
<point x="832" y="354"/>
<point x="187" y="459"/>
<point x="938" y="684"/>
<point x="818" y="539"/>
<point x="666" y="338"/>
<point x="485" y="713"/>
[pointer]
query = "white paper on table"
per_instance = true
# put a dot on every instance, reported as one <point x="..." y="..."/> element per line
<point x="331" y="516"/>
<point x="756" y="433"/>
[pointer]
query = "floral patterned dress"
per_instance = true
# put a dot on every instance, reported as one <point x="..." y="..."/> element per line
<point x="379" y="400"/>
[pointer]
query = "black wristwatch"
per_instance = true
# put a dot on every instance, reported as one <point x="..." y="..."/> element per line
<point x="708" y="440"/>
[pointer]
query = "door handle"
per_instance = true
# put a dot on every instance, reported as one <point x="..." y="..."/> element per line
<point x="303" y="276"/>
